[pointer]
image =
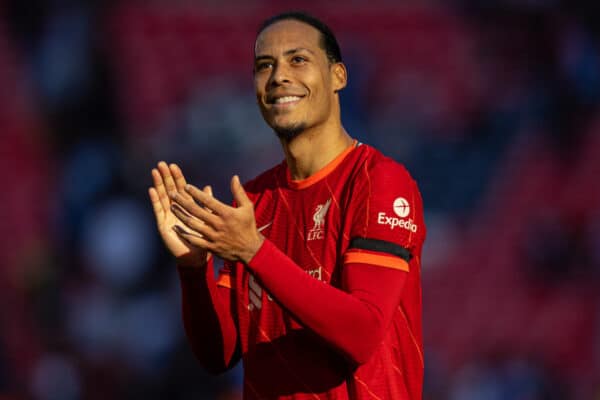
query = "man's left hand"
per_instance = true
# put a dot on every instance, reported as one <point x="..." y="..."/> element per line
<point x="229" y="232"/>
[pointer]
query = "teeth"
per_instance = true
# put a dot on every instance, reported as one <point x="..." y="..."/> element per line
<point x="286" y="99"/>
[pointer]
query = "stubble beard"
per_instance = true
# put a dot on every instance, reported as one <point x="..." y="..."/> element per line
<point x="290" y="132"/>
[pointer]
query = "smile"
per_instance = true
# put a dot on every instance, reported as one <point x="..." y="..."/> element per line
<point x="285" y="101"/>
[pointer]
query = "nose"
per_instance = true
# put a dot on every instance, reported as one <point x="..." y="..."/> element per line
<point x="279" y="75"/>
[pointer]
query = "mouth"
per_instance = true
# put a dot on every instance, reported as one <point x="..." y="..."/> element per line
<point x="284" y="101"/>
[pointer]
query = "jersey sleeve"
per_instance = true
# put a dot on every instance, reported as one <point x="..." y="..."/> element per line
<point x="386" y="219"/>
<point x="209" y="316"/>
<point x="352" y="318"/>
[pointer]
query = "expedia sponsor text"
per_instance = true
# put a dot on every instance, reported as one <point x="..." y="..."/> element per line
<point x="393" y="222"/>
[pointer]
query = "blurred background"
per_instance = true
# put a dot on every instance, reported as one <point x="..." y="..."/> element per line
<point x="492" y="105"/>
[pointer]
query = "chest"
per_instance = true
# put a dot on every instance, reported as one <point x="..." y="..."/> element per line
<point x="306" y="225"/>
<point x="308" y="228"/>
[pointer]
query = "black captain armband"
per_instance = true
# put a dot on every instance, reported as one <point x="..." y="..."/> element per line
<point x="380" y="246"/>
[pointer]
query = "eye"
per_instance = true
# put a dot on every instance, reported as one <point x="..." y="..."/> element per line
<point x="298" y="60"/>
<point x="261" y="66"/>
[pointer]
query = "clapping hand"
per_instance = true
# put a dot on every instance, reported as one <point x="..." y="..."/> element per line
<point x="168" y="179"/>
<point x="207" y="223"/>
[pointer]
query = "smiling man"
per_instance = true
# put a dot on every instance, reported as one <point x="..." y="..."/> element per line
<point x="320" y="294"/>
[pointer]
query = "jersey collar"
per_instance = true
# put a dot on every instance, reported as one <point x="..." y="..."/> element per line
<point x="320" y="174"/>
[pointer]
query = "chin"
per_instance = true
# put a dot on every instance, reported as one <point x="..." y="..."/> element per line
<point x="290" y="131"/>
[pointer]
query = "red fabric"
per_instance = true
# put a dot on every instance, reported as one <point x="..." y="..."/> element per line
<point x="208" y="318"/>
<point x="357" y="314"/>
<point x="309" y="325"/>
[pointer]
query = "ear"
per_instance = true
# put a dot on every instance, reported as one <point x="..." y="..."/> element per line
<point x="339" y="76"/>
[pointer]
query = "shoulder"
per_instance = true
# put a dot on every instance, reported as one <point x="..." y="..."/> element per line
<point x="382" y="171"/>
<point x="386" y="201"/>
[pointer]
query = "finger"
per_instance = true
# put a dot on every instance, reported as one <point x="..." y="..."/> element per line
<point x="193" y="239"/>
<point x="208" y="190"/>
<point x="239" y="194"/>
<point x="190" y="207"/>
<point x="179" y="229"/>
<point x="178" y="177"/>
<point x="186" y="236"/>
<point x="156" y="205"/>
<point x="167" y="177"/>
<point x="160" y="189"/>
<point x="192" y="222"/>
<point x="209" y="202"/>
<point x="181" y="214"/>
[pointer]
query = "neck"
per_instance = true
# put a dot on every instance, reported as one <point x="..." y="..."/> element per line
<point x="310" y="151"/>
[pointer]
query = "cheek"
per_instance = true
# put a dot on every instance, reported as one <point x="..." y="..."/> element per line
<point x="321" y="86"/>
<point x="321" y="100"/>
<point x="259" y="85"/>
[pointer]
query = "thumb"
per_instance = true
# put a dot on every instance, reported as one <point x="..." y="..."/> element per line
<point x="239" y="194"/>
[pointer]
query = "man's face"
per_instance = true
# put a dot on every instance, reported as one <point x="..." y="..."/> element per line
<point x="294" y="81"/>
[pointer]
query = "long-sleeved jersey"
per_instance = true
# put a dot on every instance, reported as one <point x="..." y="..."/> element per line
<point x="330" y="306"/>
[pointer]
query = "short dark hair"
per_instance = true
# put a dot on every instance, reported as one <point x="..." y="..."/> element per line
<point x="328" y="41"/>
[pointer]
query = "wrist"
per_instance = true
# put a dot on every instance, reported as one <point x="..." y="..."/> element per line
<point x="252" y="249"/>
<point x="193" y="261"/>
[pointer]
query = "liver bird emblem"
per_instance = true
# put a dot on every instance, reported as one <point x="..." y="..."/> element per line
<point x="319" y="216"/>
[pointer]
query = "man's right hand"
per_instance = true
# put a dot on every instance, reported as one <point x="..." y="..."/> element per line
<point x="168" y="179"/>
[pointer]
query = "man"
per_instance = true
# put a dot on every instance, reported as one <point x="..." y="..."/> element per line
<point x="320" y="293"/>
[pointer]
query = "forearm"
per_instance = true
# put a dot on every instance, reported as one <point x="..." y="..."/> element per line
<point x="208" y="318"/>
<point x="352" y="321"/>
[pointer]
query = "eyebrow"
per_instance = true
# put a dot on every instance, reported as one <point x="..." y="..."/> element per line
<point x="286" y="53"/>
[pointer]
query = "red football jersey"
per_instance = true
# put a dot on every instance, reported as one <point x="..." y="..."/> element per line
<point x="330" y="306"/>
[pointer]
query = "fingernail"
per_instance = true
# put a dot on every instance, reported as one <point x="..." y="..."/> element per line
<point x="188" y="187"/>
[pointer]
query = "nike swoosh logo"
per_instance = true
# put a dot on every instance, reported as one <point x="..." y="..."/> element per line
<point x="262" y="228"/>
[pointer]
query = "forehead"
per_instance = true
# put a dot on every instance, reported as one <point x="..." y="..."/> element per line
<point x="285" y="35"/>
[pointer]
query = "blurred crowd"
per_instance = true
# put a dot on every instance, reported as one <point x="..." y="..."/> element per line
<point x="492" y="106"/>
